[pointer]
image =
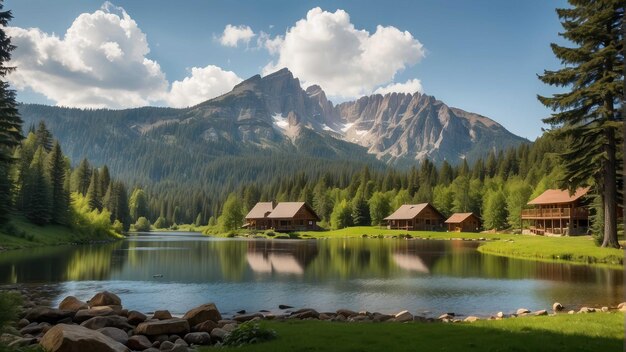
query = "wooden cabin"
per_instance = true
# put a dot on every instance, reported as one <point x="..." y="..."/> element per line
<point x="463" y="222"/>
<point x="257" y="217"/>
<point x="556" y="212"/>
<point x="293" y="216"/>
<point x="423" y="217"/>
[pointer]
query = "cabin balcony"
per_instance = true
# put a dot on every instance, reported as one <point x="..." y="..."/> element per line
<point x="555" y="213"/>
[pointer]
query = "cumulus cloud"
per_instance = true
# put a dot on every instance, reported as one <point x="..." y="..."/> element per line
<point x="101" y="61"/>
<point x="411" y="86"/>
<point x="326" y="49"/>
<point x="232" y="35"/>
<point x="204" y="83"/>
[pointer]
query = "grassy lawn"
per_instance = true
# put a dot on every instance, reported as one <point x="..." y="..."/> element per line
<point x="38" y="236"/>
<point x="578" y="332"/>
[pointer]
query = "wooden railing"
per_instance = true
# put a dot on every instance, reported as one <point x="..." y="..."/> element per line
<point x="555" y="213"/>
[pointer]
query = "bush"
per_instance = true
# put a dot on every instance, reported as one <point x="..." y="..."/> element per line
<point x="174" y="227"/>
<point x="118" y="227"/>
<point x="161" y="223"/>
<point x="248" y="333"/>
<point x="142" y="225"/>
<point x="9" y="305"/>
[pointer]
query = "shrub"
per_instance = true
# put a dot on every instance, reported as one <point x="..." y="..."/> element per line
<point x="142" y="225"/>
<point x="118" y="227"/>
<point x="248" y="333"/>
<point x="9" y="305"/>
<point x="161" y="223"/>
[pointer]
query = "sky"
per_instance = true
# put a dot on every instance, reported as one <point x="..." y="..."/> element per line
<point x="482" y="56"/>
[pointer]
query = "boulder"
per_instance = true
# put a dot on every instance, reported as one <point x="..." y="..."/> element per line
<point x="587" y="310"/>
<point x="22" y="323"/>
<point x="403" y="316"/>
<point x="116" y="334"/>
<point x="86" y="314"/>
<point x="522" y="311"/>
<point x="34" y="328"/>
<point x="378" y="317"/>
<point x="138" y="343"/>
<point x="605" y="309"/>
<point x="229" y="327"/>
<point x="167" y="345"/>
<point x="74" y="338"/>
<point x="305" y="314"/>
<point x="500" y="315"/>
<point x="571" y="312"/>
<point x="113" y="321"/>
<point x="198" y="338"/>
<point x="47" y="315"/>
<point x="181" y="342"/>
<point x="284" y="306"/>
<point x="162" y="315"/>
<point x="446" y="316"/>
<point x="179" y="348"/>
<point x="471" y="319"/>
<point x="247" y="317"/>
<point x="207" y="326"/>
<point x="73" y="304"/>
<point x="346" y="313"/>
<point x="135" y="317"/>
<point x="105" y="298"/>
<point x="557" y="307"/>
<point x="540" y="312"/>
<point x="219" y="334"/>
<point x="203" y="313"/>
<point x="159" y="327"/>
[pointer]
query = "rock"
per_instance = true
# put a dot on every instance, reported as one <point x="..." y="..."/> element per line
<point x="139" y="343"/>
<point x="446" y="316"/>
<point x="571" y="312"/>
<point x="621" y="306"/>
<point x="403" y="316"/>
<point x="346" y="313"/>
<point x="243" y="311"/>
<point x="23" y="342"/>
<point x="284" y="306"/>
<point x="359" y="318"/>
<point x="74" y="338"/>
<point x="168" y="326"/>
<point x="161" y="338"/>
<point x="105" y="298"/>
<point x="324" y="316"/>
<point x="247" y="317"/>
<point x="500" y="315"/>
<point x="73" y="304"/>
<point x="22" y="323"/>
<point x="381" y="317"/>
<point x="471" y="319"/>
<point x="86" y="314"/>
<point x="218" y="334"/>
<point x="207" y="326"/>
<point x="198" y="338"/>
<point x="167" y="345"/>
<point x="179" y="348"/>
<point x="151" y="349"/>
<point x="605" y="309"/>
<point x="113" y="321"/>
<point x="135" y="317"/>
<point x="203" y="313"/>
<point x="305" y="314"/>
<point x="522" y="311"/>
<point x="229" y="327"/>
<point x="47" y="315"/>
<point x="162" y="315"/>
<point x="173" y="338"/>
<point x="224" y="322"/>
<point x="540" y="312"/>
<point x="116" y="334"/>
<point x="586" y="310"/>
<point x="180" y="342"/>
<point x="557" y="307"/>
<point x="34" y="328"/>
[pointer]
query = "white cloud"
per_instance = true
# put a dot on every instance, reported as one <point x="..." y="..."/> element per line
<point x="326" y="49"/>
<point x="234" y="34"/>
<point x="411" y="86"/>
<point x="101" y="61"/>
<point x="204" y="83"/>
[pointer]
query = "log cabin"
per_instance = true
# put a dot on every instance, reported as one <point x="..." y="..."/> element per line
<point x="423" y="217"/>
<point x="282" y="217"/>
<point x="556" y="212"/>
<point x="463" y="222"/>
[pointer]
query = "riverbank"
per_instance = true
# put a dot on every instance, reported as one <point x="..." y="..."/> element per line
<point x="20" y="234"/>
<point x="103" y="321"/>
<point x="575" y="250"/>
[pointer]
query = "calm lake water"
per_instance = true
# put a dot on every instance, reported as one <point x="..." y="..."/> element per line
<point x="425" y="277"/>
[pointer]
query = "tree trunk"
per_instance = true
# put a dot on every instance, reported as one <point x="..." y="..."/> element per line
<point x="609" y="189"/>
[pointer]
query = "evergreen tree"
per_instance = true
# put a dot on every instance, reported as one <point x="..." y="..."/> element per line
<point x="81" y="177"/>
<point x="93" y="192"/>
<point x="587" y="116"/>
<point x="360" y="212"/>
<point x="198" y="221"/>
<point x="518" y="194"/>
<point x="232" y="215"/>
<point x="105" y="179"/>
<point x="38" y="195"/>
<point x="43" y="136"/>
<point x="56" y="171"/>
<point x="379" y="208"/>
<point x="494" y="210"/>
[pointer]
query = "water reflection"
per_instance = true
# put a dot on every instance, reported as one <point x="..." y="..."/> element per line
<point x="361" y="272"/>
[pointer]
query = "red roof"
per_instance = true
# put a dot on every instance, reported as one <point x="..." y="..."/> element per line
<point x="557" y="196"/>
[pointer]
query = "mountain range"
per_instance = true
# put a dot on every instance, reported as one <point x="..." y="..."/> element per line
<point x="273" y="115"/>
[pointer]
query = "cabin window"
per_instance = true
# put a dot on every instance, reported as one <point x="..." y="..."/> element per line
<point x="310" y="222"/>
<point x="427" y="221"/>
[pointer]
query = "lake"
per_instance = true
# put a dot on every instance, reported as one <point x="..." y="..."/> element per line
<point x="178" y="271"/>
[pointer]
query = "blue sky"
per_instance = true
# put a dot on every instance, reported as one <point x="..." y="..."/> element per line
<point x="481" y="56"/>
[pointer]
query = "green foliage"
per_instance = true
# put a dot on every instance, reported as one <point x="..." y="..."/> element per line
<point x="494" y="210"/>
<point x="118" y="227"/>
<point x="38" y="193"/>
<point x="518" y="194"/>
<point x="56" y="171"/>
<point x="360" y="212"/>
<point x="142" y="225"/>
<point x="161" y="223"/>
<point x="249" y="333"/>
<point x="138" y="204"/>
<point x="90" y="221"/>
<point x="443" y="199"/>
<point x="9" y="307"/>
<point x="379" y="208"/>
<point x="93" y="192"/>
<point x="232" y="214"/>
<point x="341" y="216"/>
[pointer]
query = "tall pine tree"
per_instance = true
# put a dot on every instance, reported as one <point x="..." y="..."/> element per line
<point x="56" y="174"/>
<point x="587" y="117"/>
<point x="38" y="207"/>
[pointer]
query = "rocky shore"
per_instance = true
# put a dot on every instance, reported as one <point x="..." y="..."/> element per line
<point x="102" y="324"/>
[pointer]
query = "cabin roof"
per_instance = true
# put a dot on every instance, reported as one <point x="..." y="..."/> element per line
<point x="260" y="210"/>
<point x="407" y="211"/>
<point x="557" y="196"/>
<point x="287" y="210"/>
<point x="458" y="218"/>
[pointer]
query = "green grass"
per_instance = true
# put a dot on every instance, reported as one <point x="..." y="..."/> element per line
<point x="29" y="235"/>
<point x="578" y="332"/>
